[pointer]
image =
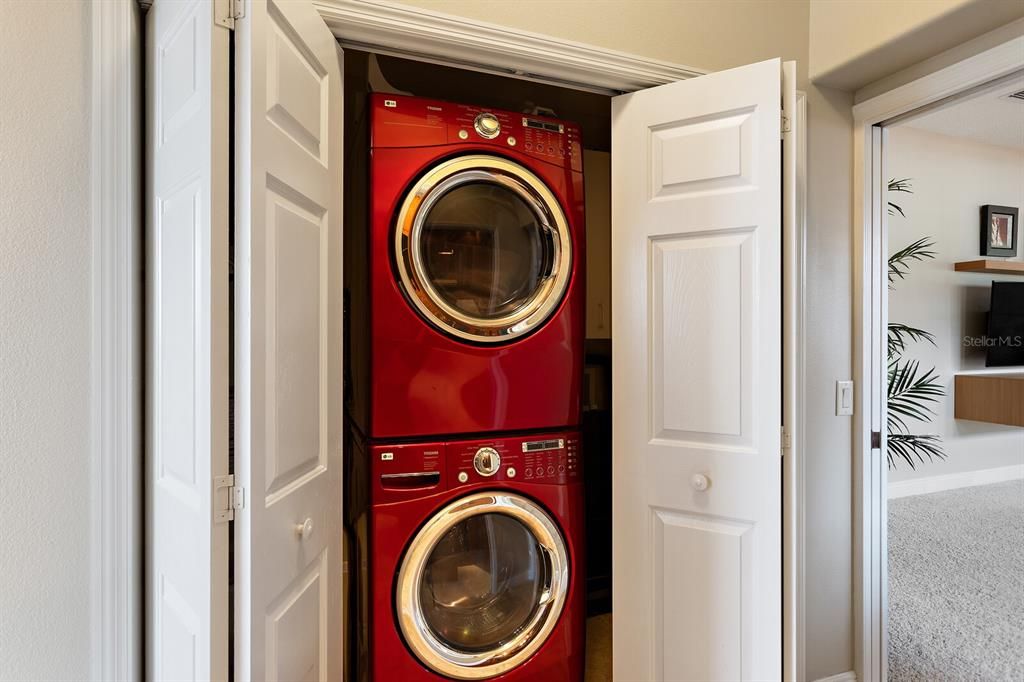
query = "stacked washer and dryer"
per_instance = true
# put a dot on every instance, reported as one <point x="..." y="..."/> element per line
<point x="466" y="307"/>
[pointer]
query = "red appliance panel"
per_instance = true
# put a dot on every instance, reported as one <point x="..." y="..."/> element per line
<point x="415" y="122"/>
<point x="394" y="523"/>
<point x="425" y="382"/>
<point x="407" y="471"/>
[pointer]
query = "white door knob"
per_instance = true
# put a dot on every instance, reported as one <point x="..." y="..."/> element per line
<point x="304" y="529"/>
<point x="700" y="482"/>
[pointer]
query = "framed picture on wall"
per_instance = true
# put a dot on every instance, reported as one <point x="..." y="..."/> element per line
<point x="999" y="231"/>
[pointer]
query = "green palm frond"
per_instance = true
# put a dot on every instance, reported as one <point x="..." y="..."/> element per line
<point x="910" y="394"/>
<point x="912" y="448"/>
<point x="900" y="185"/>
<point x="899" y="262"/>
<point x="909" y="397"/>
<point x="901" y="334"/>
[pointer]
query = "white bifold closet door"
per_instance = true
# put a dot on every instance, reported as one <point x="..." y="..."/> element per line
<point x="279" y="343"/>
<point x="288" y="344"/>
<point x="697" y="328"/>
<point x="187" y="342"/>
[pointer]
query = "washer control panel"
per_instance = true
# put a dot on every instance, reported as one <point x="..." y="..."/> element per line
<point x="545" y="458"/>
<point x="407" y="471"/>
<point x="533" y="459"/>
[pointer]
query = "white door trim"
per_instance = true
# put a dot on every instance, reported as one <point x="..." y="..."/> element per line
<point x="869" y="472"/>
<point x="795" y="378"/>
<point x="116" y="372"/>
<point x="432" y="36"/>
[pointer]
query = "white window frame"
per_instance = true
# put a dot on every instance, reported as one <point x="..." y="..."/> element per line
<point x="117" y="228"/>
<point x="870" y="582"/>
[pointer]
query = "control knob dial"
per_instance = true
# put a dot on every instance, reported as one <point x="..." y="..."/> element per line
<point x="487" y="125"/>
<point x="486" y="461"/>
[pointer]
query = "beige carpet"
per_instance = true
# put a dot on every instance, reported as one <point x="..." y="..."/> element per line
<point x="599" y="648"/>
<point x="956" y="585"/>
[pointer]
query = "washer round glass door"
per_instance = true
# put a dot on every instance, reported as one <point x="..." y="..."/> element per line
<point x="483" y="248"/>
<point x="482" y="585"/>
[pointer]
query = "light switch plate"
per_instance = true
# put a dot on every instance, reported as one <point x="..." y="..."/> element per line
<point x="844" y="398"/>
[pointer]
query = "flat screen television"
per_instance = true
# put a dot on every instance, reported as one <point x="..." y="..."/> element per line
<point x="1006" y="325"/>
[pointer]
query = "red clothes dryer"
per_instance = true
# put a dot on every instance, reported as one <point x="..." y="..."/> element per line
<point x="476" y="560"/>
<point x="475" y="271"/>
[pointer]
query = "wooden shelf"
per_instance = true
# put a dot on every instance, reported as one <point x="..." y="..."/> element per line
<point x="992" y="398"/>
<point x="991" y="266"/>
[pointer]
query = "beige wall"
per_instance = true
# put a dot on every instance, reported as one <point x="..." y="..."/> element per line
<point x="45" y="319"/>
<point x="827" y="439"/>
<point x="705" y="34"/>
<point x="856" y="42"/>
<point x="970" y="48"/>
<point x="951" y="178"/>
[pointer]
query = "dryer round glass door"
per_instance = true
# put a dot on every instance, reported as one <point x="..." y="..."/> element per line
<point x="482" y="585"/>
<point x="483" y="249"/>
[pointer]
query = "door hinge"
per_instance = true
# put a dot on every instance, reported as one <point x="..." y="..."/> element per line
<point x="876" y="440"/>
<point x="787" y="125"/>
<point x="787" y="441"/>
<point x="227" y="497"/>
<point x="225" y="12"/>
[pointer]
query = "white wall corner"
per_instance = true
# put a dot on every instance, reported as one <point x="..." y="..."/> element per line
<point x="115" y="446"/>
<point x="963" y="479"/>
<point x="848" y="676"/>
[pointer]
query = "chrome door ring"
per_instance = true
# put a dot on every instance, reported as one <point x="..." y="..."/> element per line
<point x="463" y="665"/>
<point x="420" y="290"/>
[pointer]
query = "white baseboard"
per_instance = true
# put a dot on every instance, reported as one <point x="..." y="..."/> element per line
<point x="965" y="479"/>
<point x="848" y="676"/>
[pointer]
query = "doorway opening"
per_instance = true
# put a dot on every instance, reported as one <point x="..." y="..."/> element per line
<point x="955" y="452"/>
<point x="933" y="457"/>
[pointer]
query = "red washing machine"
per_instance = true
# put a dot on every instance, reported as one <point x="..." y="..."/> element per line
<point x="476" y="560"/>
<point x="475" y="272"/>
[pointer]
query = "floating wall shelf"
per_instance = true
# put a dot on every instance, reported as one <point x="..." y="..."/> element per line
<point x="992" y="398"/>
<point x="991" y="267"/>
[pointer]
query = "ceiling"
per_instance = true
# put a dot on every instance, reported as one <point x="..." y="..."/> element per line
<point x="991" y="117"/>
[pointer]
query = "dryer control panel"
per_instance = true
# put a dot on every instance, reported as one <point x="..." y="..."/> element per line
<point x="403" y="471"/>
<point x="405" y="121"/>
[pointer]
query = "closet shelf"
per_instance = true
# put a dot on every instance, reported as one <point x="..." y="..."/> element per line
<point x="991" y="266"/>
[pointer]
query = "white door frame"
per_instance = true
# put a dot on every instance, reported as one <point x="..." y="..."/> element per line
<point x="368" y="24"/>
<point x="870" y="585"/>
<point x="115" y="509"/>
